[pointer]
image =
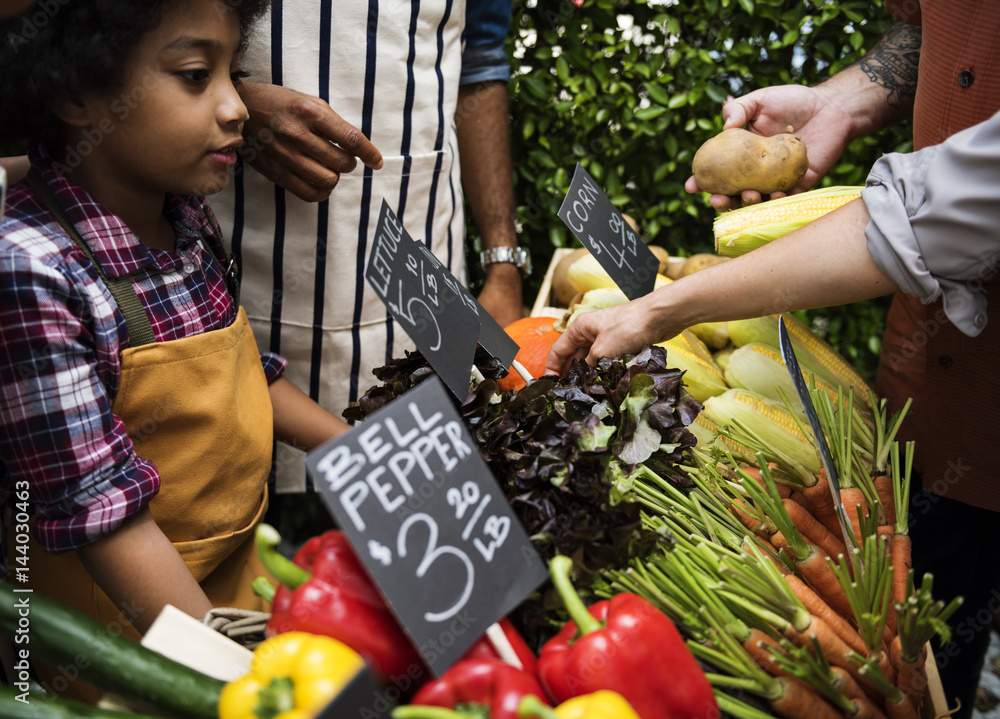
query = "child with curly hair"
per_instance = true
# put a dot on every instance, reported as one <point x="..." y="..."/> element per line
<point x="136" y="414"/>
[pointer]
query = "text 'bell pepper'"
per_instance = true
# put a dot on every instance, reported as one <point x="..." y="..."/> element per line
<point x="626" y="645"/>
<point x="292" y="676"/>
<point x="604" y="704"/>
<point x="473" y="688"/>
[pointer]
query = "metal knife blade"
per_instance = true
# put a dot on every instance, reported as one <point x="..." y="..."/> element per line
<point x="792" y="364"/>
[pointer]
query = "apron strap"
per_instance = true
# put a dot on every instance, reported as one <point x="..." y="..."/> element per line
<point x="139" y="330"/>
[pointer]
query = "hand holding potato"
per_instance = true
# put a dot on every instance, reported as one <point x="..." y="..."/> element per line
<point x="814" y="116"/>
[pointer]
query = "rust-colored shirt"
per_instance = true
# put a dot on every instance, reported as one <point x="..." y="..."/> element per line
<point x="952" y="378"/>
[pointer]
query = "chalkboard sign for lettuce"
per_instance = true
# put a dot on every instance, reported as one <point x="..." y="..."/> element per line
<point x="588" y="212"/>
<point x="412" y="281"/>
<point x="428" y="520"/>
<point x="430" y="309"/>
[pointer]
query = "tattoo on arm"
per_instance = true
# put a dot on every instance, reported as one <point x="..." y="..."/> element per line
<point x="892" y="63"/>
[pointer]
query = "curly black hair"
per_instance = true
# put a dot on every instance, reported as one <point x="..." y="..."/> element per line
<point x="57" y="50"/>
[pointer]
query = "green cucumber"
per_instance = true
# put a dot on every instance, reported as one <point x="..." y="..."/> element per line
<point x="42" y="706"/>
<point x="122" y="666"/>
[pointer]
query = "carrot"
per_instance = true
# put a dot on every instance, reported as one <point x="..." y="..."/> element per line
<point x="798" y="701"/>
<point x="866" y="709"/>
<point x="749" y="521"/>
<point x="901" y="563"/>
<point x="818" y="500"/>
<point x="835" y="648"/>
<point x="820" y="577"/>
<point x="852" y="497"/>
<point x="886" y="530"/>
<point x="756" y="646"/>
<point x="768" y="550"/>
<point x="784" y="490"/>
<point x="846" y="683"/>
<point x="905" y="708"/>
<point x="817" y="607"/>
<point x="886" y="665"/>
<point x="813" y="531"/>
<point x="910" y="675"/>
<point x="883" y="487"/>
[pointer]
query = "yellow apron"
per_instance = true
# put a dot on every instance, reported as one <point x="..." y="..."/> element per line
<point x="198" y="408"/>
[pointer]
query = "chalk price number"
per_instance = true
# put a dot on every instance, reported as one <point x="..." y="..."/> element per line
<point x="428" y="520"/>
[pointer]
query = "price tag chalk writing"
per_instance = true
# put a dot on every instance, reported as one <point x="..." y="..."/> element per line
<point x="429" y="521"/>
<point x="596" y="222"/>
<point x="426" y="301"/>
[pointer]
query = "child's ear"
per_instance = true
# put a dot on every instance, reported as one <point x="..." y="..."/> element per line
<point x="74" y="112"/>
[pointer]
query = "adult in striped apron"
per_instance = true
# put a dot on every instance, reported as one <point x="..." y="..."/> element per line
<point x="392" y="70"/>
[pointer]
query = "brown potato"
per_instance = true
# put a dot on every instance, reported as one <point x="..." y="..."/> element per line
<point x="737" y="160"/>
<point x="663" y="256"/>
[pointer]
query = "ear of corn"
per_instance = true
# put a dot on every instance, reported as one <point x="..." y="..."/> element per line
<point x="760" y="368"/>
<point x="814" y="355"/>
<point x="713" y="334"/>
<point x="774" y="426"/>
<point x="597" y="299"/>
<point x="747" y="228"/>
<point x="702" y="378"/>
<point x="722" y="356"/>
<point x="707" y="433"/>
<point x="586" y="274"/>
<point x="689" y="340"/>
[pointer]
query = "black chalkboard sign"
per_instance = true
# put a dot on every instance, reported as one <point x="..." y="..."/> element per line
<point x="428" y="520"/>
<point x="365" y="697"/>
<point x="438" y="313"/>
<point x="430" y="309"/>
<point x="588" y="212"/>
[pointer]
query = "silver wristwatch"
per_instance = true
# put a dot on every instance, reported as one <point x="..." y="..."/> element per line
<point x="517" y="256"/>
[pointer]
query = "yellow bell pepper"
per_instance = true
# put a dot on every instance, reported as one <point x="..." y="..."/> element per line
<point x="602" y="704"/>
<point x="292" y="676"/>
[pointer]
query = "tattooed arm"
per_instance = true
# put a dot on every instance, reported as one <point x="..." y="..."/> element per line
<point x="878" y="90"/>
<point x="871" y="94"/>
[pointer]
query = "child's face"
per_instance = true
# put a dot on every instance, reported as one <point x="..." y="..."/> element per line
<point x="176" y="123"/>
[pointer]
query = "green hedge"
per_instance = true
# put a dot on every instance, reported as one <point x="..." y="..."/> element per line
<point x="632" y="106"/>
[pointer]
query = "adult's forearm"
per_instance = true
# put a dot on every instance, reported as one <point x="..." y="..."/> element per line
<point x="878" y="90"/>
<point x="823" y="264"/>
<point x="483" y="129"/>
<point x="481" y="119"/>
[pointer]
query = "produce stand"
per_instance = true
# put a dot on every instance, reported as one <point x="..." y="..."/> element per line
<point x="934" y="703"/>
<point x="718" y="607"/>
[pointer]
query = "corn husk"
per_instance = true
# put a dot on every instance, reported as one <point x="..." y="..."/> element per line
<point x="747" y="228"/>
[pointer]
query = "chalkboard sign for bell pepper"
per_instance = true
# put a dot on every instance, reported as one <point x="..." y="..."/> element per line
<point x="429" y="521"/>
<point x="588" y="212"/>
<point x="435" y="310"/>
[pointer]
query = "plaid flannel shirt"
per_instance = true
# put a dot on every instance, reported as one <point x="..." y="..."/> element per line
<point x="61" y="337"/>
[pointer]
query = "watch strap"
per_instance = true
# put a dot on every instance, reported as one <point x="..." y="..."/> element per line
<point x="516" y="256"/>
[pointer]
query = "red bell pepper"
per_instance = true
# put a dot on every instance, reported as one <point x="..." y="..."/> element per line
<point x="326" y="590"/>
<point x="627" y="645"/>
<point x="473" y="688"/>
<point x="484" y="649"/>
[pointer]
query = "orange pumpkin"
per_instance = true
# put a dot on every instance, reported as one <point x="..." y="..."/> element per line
<point x="535" y="337"/>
